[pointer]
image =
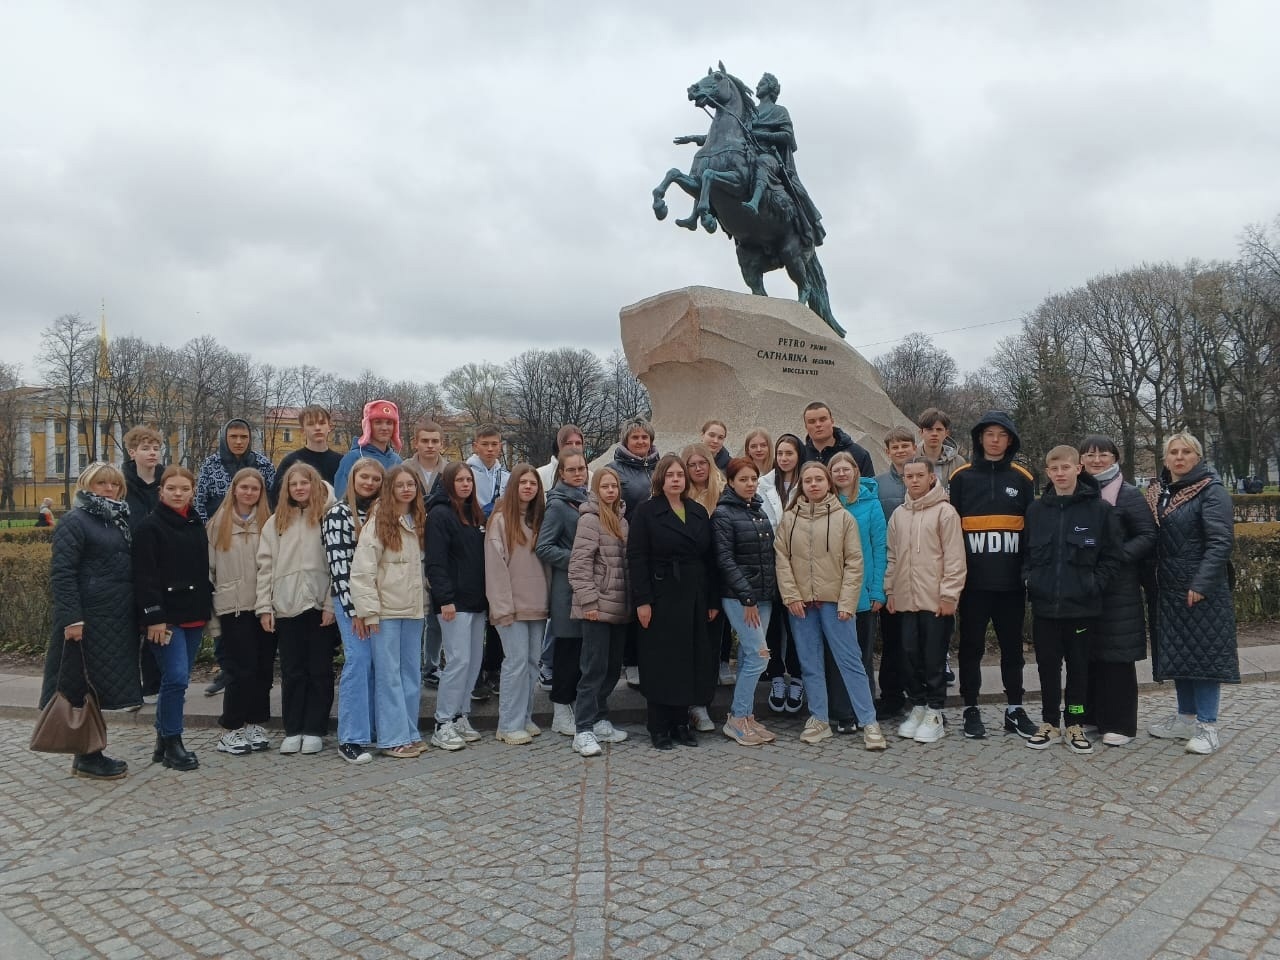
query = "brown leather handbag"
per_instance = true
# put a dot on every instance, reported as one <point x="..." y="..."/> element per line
<point x="64" y="728"/>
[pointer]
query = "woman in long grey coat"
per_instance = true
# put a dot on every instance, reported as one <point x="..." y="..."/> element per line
<point x="94" y="629"/>
<point x="555" y="544"/>
<point x="1195" y="642"/>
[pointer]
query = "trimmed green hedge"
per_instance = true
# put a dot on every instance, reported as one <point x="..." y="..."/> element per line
<point x="26" y="614"/>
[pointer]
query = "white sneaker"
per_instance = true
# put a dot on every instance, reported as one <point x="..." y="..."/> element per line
<point x="258" y="738"/>
<point x="312" y="744"/>
<point x="1206" y="739"/>
<point x="1176" y="727"/>
<point x="447" y="738"/>
<point x="235" y="743"/>
<point x="908" y="727"/>
<point x="700" y="720"/>
<point x="515" y="737"/>
<point x="532" y="729"/>
<point x="562" y="719"/>
<point x="1116" y="739"/>
<point x="291" y="744"/>
<point x="930" y="729"/>
<point x="727" y="675"/>
<point x="585" y="744"/>
<point x="606" y="732"/>
<point x="462" y="727"/>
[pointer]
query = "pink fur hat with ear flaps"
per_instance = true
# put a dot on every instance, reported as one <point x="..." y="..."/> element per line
<point x="380" y="410"/>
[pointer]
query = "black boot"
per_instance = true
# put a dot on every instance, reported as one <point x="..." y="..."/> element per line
<point x="682" y="735"/>
<point x="96" y="766"/>
<point x="157" y="755"/>
<point x="176" y="756"/>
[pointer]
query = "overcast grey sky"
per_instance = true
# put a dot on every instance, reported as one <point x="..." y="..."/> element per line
<point x="408" y="186"/>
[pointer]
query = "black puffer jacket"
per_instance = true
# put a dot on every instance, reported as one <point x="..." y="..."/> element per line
<point x="1122" y="635"/>
<point x="744" y="549"/>
<point x="92" y="580"/>
<point x="1074" y="549"/>
<point x="171" y="568"/>
<point x="455" y="558"/>
<point x="636" y="474"/>
<point x="1193" y="552"/>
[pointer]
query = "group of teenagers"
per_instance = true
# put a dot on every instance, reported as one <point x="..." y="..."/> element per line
<point x="653" y="564"/>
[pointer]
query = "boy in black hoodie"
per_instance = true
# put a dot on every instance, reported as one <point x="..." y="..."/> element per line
<point x="992" y="494"/>
<point x="1074" y="547"/>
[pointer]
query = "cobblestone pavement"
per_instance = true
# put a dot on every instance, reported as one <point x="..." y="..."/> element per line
<point x="956" y="849"/>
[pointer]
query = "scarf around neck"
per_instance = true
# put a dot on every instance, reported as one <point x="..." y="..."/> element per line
<point x="114" y="512"/>
<point x="1109" y="482"/>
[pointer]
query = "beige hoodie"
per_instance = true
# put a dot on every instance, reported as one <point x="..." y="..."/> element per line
<point x="819" y="555"/>
<point x="926" y="553"/>
<point x="293" y="572"/>
<point x="517" y="585"/>
<point x="388" y="584"/>
<point x="234" y="571"/>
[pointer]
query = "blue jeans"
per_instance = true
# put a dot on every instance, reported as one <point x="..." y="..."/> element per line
<point x="842" y="635"/>
<point x="355" y="686"/>
<point x="397" y="681"/>
<point x="1199" y="697"/>
<point x="521" y="647"/>
<point x="175" y="659"/>
<point x="751" y="640"/>
<point x="463" y="643"/>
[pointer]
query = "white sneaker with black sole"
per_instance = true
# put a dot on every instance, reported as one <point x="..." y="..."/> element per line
<point x="258" y="738"/>
<point x="235" y="743"/>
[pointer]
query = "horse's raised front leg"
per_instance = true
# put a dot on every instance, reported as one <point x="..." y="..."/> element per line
<point x="680" y="179"/>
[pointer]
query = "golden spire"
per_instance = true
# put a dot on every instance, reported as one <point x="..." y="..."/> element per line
<point x="104" y="369"/>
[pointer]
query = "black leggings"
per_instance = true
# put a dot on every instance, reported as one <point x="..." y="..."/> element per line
<point x="783" y="658"/>
<point x="249" y="657"/>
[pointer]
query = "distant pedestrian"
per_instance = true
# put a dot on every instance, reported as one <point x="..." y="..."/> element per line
<point x="44" y="517"/>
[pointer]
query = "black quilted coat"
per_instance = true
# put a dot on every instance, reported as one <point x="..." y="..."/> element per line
<point x="744" y="549"/>
<point x="92" y="580"/>
<point x="1193" y="553"/>
<point x="1122" y="635"/>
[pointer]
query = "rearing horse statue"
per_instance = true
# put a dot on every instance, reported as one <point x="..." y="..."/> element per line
<point x="722" y="179"/>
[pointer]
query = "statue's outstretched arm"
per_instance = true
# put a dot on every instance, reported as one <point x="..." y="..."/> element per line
<point x="699" y="138"/>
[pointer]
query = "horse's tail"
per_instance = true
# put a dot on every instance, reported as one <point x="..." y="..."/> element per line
<point x="819" y="299"/>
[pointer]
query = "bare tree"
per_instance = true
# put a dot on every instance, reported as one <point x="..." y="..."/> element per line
<point x="67" y="355"/>
<point x="132" y="388"/>
<point x="11" y="397"/>
<point x="916" y="374"/>
<point x="475" y="391"/>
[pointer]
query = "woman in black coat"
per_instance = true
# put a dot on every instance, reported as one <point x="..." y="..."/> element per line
<point x="671" y="562"/>
<point x="93" y="624"/>
<point x="1195" y="642"/>
<point x="1111" y="700"/>
<point x="175" y="600"/>
<point x="555" y="543"/>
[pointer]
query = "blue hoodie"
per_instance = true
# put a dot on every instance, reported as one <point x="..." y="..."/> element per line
<point x="388" y="458"/>
<point x="873" y="529"/>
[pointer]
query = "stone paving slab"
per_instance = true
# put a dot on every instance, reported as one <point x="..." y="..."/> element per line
<point x="956" y="849"/>
<point x="20" y="693"/>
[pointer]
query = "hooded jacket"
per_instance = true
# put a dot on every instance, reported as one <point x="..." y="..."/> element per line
<point x="948" y="462"/>
<point x="598" y="568"/>
<point x="141" y="496"/>
<point x="386" y="583"/>
<point x="744" y="549"/>
<point x="926" y="562"/>
<point x="892" y="490"/>
<point x="819" y="555"/>
<point x="840" y="442"/>
<point x="517" y="583"/>
<point x="388" y="458"/>
<point x="991" y="497"/>
<point x="1074" y="547"/>
<point x="293" y="574"/>
<point x="455" y="557"/>
<point x="219" y="468"/>
<point x="872" y="530"/>
<point x="234" y="571"/>
<point x="554" y="547"/>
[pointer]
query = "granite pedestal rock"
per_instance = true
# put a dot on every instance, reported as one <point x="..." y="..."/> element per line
<point x="752" y="362"/>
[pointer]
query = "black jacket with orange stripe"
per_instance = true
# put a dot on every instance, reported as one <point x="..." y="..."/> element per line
<point x="992" y="497"/>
